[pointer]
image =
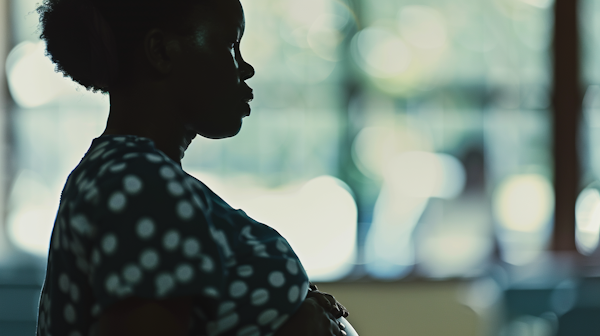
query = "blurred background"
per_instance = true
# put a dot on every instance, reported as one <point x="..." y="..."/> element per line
<point x="433" y="162"/>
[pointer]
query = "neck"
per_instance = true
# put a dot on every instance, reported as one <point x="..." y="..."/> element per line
<point x="144" y="114"/>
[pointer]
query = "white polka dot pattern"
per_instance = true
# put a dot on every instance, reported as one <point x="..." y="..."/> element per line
<point x="69" y="313"/>
<point x="227" y="322"/>
<point x="154" y="158"/>
<point x="138" y="225"/>
<point x="292" y="266"/>
<point x="245" y="271"/>
<point x="226" y="308"/>
<point x="92" y="195"/>
<point x="260" y="250"/>
<point x="267" y="316"/>
<point x="80" y="224"/>
<point x="112" y="283"/>
<point x="207" y="264"/>
<point x="184" y="273"/>
<point x="237" y="289"/>
<point x="149" y="259"/>
<point x="171" y="240"/>
<point x="185" y="210"/>
<point x="175" y="188"/>
<point x="293" y="294"/>
<point x="164" y="283"/>
<point x="97" y="153"/>
<point x="259" y="297"/>
<point x="109" y="243"/>
<point x="117" y="202"/>
<point x="145" y="228"/>
<point x="118" y="167"/>
<point x="132" y="184"/>
<point x="132" y="273"/>
<point x="276" y="279"/>
<point x="167" y="172"/>
<point x="211" y="292"/>
<point x="191" y="247"/>
<point x="108" y="153"/>
<point x="281" y="246"/>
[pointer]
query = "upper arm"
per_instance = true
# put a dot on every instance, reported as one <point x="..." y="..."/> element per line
<point x="137" y="316"/>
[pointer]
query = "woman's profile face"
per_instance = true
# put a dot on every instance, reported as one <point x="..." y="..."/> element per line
<point x="210" y="92"/>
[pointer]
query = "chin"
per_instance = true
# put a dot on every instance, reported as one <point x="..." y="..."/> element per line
<point x="222" y="131"/>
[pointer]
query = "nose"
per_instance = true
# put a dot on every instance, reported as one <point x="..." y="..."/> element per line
<point x="246" y="71"/>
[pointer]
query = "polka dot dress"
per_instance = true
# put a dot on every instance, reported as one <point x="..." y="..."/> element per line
<point x="131" y="222"/>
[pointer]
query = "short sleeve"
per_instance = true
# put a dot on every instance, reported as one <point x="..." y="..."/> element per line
<point x="151" y="239"/>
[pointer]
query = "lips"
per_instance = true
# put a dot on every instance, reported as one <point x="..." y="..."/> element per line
<point x="248" y="98"/>
<point x="247" y="94"/>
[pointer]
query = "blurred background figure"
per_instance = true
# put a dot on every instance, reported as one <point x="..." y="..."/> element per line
<point x="450" y="146"/>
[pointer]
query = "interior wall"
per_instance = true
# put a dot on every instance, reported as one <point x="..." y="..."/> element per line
<point x="407" y="309"/>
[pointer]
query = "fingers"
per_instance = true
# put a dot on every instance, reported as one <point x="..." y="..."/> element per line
<point x="343" y="309"/>
<point x="336" y="327"/>
<point x="338" y="310"/>
<point x="341" y="328"/>
<point x="329" y="302"/>
<point x="324" y="302"/>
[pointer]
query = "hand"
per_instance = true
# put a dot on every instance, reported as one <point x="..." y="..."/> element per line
<point x="328" y="302"/>
<point x="311" y="319"/>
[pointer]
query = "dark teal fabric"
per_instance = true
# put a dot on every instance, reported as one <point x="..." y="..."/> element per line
<point x="131" y="222"/>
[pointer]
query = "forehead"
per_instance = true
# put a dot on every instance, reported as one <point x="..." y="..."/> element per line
<point x="224" y="15"/>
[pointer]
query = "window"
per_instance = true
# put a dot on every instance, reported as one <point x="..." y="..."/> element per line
<point x="395" y="138"/>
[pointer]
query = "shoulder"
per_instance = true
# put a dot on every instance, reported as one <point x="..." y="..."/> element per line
<point x="126" y="165"/>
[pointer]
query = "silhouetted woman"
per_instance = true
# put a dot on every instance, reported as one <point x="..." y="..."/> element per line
<point x="139" y="247"/>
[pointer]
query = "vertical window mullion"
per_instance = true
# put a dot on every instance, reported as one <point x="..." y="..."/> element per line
<point x="567" y="98"/>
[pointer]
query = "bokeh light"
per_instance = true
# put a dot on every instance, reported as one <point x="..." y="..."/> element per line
<point x="409" y="181"/>
<point x="423" y="174"/>
<point x="31" y="77"/>
<point x="381" y="53"/>
<point x="392" y="97"/>
<point x="422" y="26"/>
<point x="587" y="215"/>
<point x="524" y="203"/>
<point x="33" y="206"/>
<point x="523" y="206"/>
<point x="317" y="218"/>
